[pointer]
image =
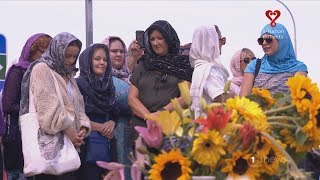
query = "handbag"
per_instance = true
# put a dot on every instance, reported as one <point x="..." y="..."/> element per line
<point x="44" y="153"/>
<point x="97" y="148"/>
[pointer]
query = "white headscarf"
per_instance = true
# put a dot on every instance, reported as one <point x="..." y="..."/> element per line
<point x="209" y="74"/>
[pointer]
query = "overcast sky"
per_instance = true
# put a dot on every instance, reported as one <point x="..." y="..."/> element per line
<point x="240" y="22"/>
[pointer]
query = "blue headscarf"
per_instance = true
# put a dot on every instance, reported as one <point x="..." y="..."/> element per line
<point x="284" y="60"/>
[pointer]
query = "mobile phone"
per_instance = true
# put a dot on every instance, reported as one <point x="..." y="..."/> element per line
<point x="140" y="38"/>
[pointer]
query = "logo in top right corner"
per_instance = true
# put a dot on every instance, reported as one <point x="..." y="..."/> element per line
<point x="273" y="16"/>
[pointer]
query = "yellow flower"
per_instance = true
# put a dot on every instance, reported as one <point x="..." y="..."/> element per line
<point x="311" y="130"/>
<point x="249" y="110"/>
<point x="303" y="91"/>
<point x="270" y="156"/>
<point x="238" y="166"/>
<point x="176" y="106"/>
<point x="312" y="127"/>
<point x="169" y="122"/>
<point x="185" y="92"/>
<point x="208" y="148"/>
<point x="261" y="146"/>
<point x="290" y="139"/>
<point x="271" y="163"/>
<point x="172" y="165"/>
<point x="315" y="108"/>
<point x="265" y="94"/>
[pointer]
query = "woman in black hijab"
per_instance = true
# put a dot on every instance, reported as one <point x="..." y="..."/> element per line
<point x="96" y="85"/>
<point x="155" y="79"/>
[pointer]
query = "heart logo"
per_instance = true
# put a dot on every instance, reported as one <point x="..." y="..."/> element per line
<point x="273" y="16"/>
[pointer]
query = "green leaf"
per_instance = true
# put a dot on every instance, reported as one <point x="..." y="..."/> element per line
<point x="278" y="95"/>
<point x="301" y="137"/>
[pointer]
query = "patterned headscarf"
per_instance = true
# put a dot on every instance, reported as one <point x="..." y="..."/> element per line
<point x="172" y="63"/>
<point x="124" y="72"/>
<point x="98" y="93"/>
<point x="54" y="58"/>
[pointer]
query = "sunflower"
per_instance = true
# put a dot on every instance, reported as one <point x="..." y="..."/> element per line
<point x="311" y="129"/>
<point x="172" y="165"/>
<point x="249" y="110"/>
<point x="264" y="94"/>
<point x="303" y="91"/>
<point x="290" y="139"/>
<point x="314" y="111"/>
<point x="262" y="146"/>
<point x="273" y="159"/>
<point x="238" y="166"/>
<point x="208" y="148"/>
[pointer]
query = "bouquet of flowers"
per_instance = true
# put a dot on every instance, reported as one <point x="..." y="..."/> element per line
<point x="255" y="137"/>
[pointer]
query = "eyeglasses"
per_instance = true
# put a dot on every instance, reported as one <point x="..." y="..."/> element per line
<point x="247" y="60"/>
<point x="267" y="39"/>
<point x="223" y="40"/>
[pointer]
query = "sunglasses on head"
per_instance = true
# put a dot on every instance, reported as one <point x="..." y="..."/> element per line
<point x="247" y="60"/>
<point x="267" y="39"/>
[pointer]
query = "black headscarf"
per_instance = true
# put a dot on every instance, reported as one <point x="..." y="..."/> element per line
<point x="172" y="63"/>
<point x="98" y="93"/>
<point x="54" y="58"/>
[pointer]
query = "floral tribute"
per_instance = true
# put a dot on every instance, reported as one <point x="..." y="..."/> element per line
<point x="261" y="136"/>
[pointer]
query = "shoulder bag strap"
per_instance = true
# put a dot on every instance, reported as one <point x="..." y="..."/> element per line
<point x="256" y="71"/>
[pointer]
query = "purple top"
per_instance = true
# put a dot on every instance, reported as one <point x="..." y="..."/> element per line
<point x="2" y="128"/>
<point x="11" y="90"/>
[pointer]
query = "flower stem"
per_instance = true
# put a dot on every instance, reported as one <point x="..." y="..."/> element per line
<point x="282" y="125"/>
<point x="279" y="109"/>
<point x="272" y="118"/>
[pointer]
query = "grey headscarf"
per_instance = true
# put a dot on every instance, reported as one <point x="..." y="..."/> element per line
<point x="54" y="58"/>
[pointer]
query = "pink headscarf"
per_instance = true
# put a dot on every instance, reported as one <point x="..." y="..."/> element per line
<point x="235" y="68"/>
<point x="124" y="73"/>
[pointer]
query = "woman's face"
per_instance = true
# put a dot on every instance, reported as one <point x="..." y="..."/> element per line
<point x="117" y="54"/>
<point x="158" y="43"/>
<point x="71" y="55"/>
<point x="269" y="48"/>
<point x="245" y="59"/>
<point x="99" y="62"/>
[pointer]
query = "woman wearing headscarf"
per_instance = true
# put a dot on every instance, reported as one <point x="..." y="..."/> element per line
<point x="31" y="51"/>
<point x="277" y="65"/>
<point x="209" y="75"/>
<point x="239" y="62"/>
<point x="155" y="79"/>
<point x="57" y="61"/>
<point x="121" y="74"/>
<point x="96" y="85"/>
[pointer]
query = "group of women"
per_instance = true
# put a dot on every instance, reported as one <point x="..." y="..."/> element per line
<point x="117" y="89"/>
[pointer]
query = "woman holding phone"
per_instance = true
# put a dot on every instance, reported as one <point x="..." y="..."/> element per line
<point x="155" y="79"/>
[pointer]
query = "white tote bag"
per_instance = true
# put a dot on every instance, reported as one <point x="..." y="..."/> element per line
<point x="43" y="153"/>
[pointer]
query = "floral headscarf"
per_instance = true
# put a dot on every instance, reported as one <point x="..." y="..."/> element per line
<point x="124" y="72"/>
